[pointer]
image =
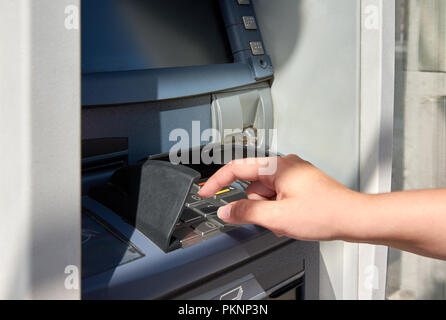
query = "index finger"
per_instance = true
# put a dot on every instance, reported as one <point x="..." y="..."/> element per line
<point x="245" y="169"/>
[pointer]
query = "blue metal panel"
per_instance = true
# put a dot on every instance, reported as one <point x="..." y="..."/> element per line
<point x="158" y="273"/>
<point x="123" y="35"/>
<point x="108" y="88"/>
<point x="240" y="38"/>
<point x="121" y="64"/>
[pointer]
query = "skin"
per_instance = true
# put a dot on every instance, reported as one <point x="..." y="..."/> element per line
<point x="300" y="201"/>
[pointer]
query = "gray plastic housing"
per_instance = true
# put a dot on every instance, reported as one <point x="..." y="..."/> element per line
<point x="234" y="112"/>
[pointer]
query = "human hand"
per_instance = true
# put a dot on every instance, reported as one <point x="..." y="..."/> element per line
<point x="296" y="200"/>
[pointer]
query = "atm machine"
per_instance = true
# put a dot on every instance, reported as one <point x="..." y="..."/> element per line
<point x="149" y="68"/>
<point x="94" y="96"/>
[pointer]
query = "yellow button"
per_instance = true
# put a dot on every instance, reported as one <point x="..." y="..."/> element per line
<point x="223" y="191"/>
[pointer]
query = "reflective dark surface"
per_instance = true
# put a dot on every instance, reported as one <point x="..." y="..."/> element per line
<point x="120" y="35"/>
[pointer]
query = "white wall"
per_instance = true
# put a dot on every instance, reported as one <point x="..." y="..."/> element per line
<point x="40" y="141"/>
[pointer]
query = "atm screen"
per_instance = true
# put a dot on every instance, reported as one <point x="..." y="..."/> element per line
<point x="122" y="35"/>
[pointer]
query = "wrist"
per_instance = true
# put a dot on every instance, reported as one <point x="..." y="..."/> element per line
<point x="355" y="220"/>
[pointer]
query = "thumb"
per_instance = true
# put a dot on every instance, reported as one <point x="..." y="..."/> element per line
<point x="263" y="213"/>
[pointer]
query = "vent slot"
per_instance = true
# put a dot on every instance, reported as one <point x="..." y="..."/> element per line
<point x="105" y="154"/>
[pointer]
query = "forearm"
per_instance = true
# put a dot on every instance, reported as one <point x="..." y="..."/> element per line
<point x="413" y="221"/>
<point x="310" y="205"/>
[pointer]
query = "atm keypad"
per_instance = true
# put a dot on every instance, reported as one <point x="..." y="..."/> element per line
<point x="225" y="191"/>
<point x="206" y="209"/>
<point x="205" y="228"/>
<point x="193" y="196"/>
<point x="216" y="219"/>
<point x="199" y="220"/>
<point x="187" y="236"/>
<point x="234" y="197"/>
<point x="190" y="215"/>
<point x="192" y="199"/>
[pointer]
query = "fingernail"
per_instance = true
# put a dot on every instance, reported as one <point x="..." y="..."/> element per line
<point x="224" y="213"/>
